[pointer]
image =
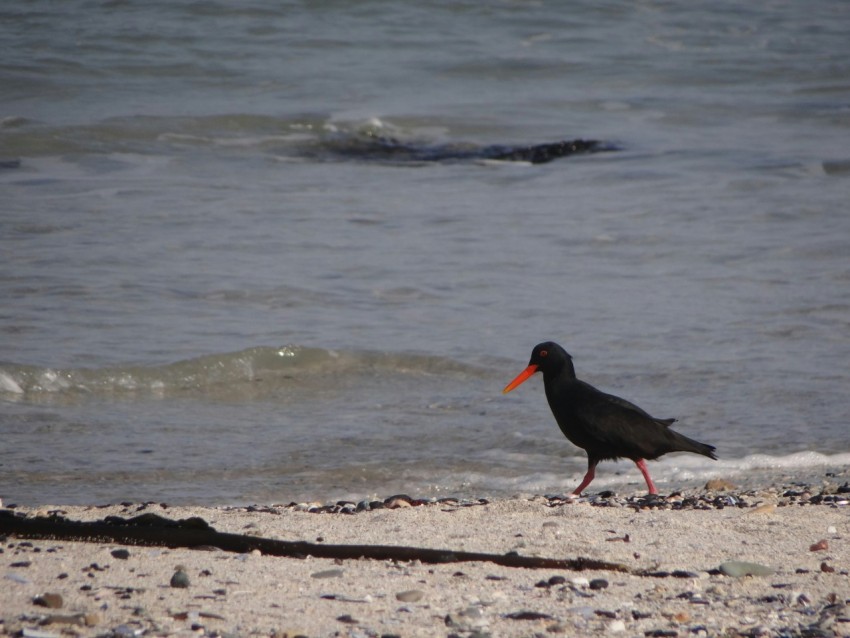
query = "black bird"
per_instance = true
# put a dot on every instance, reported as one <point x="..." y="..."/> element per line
<point x="604" y="426"/>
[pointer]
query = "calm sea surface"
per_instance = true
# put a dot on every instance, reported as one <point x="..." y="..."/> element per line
<point x="215" y="290"/>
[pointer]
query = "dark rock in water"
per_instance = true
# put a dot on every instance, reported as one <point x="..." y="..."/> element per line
<point x="389" y="149"/>
<point x="542" y="153"/>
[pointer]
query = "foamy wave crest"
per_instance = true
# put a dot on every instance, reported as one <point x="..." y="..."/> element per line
<point x="276" y="367"/>
<point x="669" y="473"/>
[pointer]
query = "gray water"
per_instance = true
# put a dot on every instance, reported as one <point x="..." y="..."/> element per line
<point x="211" y="296"/>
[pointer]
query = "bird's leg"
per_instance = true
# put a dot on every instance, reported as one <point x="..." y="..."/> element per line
<point x="588" y="477"/>
<point x="645" y="471"/>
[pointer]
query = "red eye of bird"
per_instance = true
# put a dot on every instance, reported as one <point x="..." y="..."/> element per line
<point x="544" y="353"/>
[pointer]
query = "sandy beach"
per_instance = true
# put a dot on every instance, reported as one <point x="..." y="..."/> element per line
<point x="672" y="549"/>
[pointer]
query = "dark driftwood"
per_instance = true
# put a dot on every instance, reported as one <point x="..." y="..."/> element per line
<point x="150" y="529"/>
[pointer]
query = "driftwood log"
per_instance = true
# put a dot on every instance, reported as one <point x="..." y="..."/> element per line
<point x="196" y="533"/>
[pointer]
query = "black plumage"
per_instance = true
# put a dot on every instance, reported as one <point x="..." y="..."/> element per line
<point x="605" y="426"/>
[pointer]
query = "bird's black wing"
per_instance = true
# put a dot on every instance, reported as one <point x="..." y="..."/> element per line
<point x="629" y="406"/>
<point x="618" y="427"/>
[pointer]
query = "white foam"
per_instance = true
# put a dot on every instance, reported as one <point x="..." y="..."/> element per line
<point x="8" y="384"/>
<point x="671" y="471"/>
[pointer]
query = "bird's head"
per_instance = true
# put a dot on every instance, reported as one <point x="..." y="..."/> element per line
<point x="548" y="358"/>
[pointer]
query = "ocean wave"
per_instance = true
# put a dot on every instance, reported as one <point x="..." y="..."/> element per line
<point x="304" y="138"/>
<point x="671" y="472"/>
<point x="276" y="367"/>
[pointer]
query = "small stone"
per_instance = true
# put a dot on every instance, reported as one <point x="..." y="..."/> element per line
<point x="579" y="581"/>
<point x="327" y="573"/>
<point x="616" y="627"/>
<point x="737" y="569"/>
<point x="598" y="583"/>
<point x="180" y="579"/>
<point x="680" y="573"/>
<point x="64" y="619"/>
<point x="557" y="580"/>
<point x="347" y="618"/>
<point x="120" y="554"/>
<point x="410" y="596"/>
<point x="719" y="485"/>
<point x="397" y="503"/>
<point x="51" y="601"/>
<point x="91" y="620"/>
<point x="820" y="546"/>
<point x="527" y="615"/>
<point x="826" y="568"/>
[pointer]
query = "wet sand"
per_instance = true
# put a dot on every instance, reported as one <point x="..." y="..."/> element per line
<point x="672" y="547"/>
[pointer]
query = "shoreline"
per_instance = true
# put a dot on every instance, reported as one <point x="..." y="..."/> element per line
<point x="673" y="545"/>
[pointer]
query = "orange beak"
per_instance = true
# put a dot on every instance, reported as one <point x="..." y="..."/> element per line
<point x="521" y="377"/>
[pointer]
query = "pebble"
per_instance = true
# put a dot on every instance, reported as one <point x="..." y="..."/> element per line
<point x="598" y="583"/>
<point x="410" y="596"/>
<point x="719" y="485"/>
<point x="180" y="579"/>
<point x="751" y="500"/>
<point x="327" y="573"/>
<point x="616" y="627"/>
<point x="820" y="546"/>
<point x="527" y="615"/>
<point x="120" y="554"/>
<point x="469" y="619"/>
<point x="737" y="569"/>
<point x="49" y="600"/>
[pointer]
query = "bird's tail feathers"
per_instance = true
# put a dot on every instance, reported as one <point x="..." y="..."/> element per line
<point x="690" y="445"/>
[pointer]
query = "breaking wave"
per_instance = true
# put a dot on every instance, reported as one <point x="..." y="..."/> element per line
<point x="275" y="367"/>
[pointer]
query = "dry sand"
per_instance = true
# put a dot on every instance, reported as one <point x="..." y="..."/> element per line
<point x="251" y="594"/>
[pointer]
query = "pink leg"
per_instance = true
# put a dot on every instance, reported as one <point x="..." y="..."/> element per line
<point x="645" y="471"/>
<point x="588" y="477"/>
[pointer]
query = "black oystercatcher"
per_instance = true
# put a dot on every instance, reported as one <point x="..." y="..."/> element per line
<point x="605" y="426"/>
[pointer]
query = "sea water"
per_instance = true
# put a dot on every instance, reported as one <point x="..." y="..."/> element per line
<point x="212" y="293"/>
